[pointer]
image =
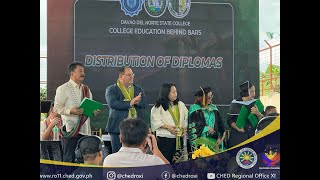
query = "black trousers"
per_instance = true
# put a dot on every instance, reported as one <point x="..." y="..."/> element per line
<point x="167" y="146"/>
<point x="115" y="142"/>
<point x="51" y="150"/>
<point x="238" y="137"/>
<point x="68" y="147"/>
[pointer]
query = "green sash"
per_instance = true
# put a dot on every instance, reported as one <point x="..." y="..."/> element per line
<point x="193" y="108"/>
<point x="176" y="118"/>
<point x="209" y="117"/>
<point x="128" y="96"/>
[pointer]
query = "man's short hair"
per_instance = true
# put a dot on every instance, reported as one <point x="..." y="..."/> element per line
<point x="268" y="108"/>
<point x="72" y="66"/>
<point x="122" y="69"/>
<point x="88" y="146"/>
<point x="133" y="131"/>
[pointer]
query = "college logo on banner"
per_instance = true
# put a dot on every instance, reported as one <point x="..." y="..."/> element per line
<point x="246" y="158"/>
<point x="155" y="8"/>
<point x="179" y="8"/>
<point x="131" y="7"/>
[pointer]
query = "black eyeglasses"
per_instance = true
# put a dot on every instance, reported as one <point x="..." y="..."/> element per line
<point x="210" y="97"/>
<point x="130" y="75"/>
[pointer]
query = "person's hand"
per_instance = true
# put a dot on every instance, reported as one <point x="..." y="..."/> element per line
<point x="254" y="110"/>
<point x="184" y="129"/>
<point x="96" y="112"/>
<point x="55" y="121"/>
<point x="76" y="110"/>
<point x="154" y="145"/>
<point x="212" y="131"/>
<point x="136" y="99"/>
<point x="171" y="129"/>
<point x="149" y="142"/>
<point x="224" y="136"/>
<point x="219" y="141"/>
<point x="241" y="130"/>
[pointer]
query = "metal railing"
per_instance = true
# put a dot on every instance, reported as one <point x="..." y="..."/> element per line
<point x="270" y="54"/>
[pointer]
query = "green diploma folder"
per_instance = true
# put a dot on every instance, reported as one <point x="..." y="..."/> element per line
<point x="252" y="117"/>
<point x="89" y="105"/>
<point x="242" y="117"/>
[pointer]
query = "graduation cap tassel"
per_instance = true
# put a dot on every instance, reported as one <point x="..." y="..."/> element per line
<point x="203" y="97"/>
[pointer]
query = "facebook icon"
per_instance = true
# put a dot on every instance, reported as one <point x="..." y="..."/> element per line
<point x="165" y="175"/>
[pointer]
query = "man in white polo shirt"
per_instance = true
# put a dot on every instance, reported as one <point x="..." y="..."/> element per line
<point x="134" y="138"/>
<point x="66" y="103"/>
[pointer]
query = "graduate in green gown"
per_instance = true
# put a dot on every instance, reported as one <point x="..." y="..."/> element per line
<point x="205" y="120"/>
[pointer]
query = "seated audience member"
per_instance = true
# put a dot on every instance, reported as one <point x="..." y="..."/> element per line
<point x="89" y="150"/>
<point x="134" y="138"/>
<point x="271" y="114"/>
<point x="47" y="125"/>
<point x="271" y="111"/>
<point x="49" y="149"/>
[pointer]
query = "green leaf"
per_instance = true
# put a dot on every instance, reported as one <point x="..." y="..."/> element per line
<point x="43" y="93"/>
<point x="275" y="69"/>
<point x="270" y="35"/>
<point x="210" y="144"/>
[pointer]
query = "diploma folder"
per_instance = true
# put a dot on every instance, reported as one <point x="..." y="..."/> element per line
<point x="89" y="105"/>
<point x="252" y="117"/>
<point x="242" y="117"/>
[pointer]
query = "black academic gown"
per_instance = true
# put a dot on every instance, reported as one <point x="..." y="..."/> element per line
<point x="198" y="118"/>
<point x="237" y="137"/>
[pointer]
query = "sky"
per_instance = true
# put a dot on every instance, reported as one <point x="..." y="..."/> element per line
<point x="269" y="17"/>
<point x="43" y="26"/>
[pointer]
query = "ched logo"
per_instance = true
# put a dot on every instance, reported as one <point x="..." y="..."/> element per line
<point x="179" y="8"/>
<point x="131" y="7"/>
<point x="155" y="8"/>
<point x="271" y="156"/>
<point x="246" y="158"/>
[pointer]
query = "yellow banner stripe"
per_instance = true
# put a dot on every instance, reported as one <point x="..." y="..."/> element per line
<point x="272" y="127"/>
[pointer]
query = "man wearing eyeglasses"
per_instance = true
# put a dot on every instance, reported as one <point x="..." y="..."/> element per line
<point x="125" y="100"/>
